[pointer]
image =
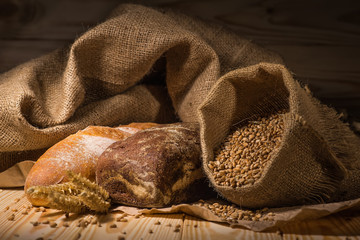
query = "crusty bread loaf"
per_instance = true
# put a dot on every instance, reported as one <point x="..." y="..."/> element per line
<point x="77" y="153"/>
<point x="155" y="167"/>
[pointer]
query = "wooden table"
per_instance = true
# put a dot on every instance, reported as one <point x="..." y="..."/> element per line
<point x="161" y="226"/>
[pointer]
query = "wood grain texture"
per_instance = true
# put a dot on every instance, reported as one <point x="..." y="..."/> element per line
<point x="107" y="226"/>
<point x="160" y="226"/>
<point x="195" y="228"/>
<point x="31" y="28"/>
<point x="340" y="226"/>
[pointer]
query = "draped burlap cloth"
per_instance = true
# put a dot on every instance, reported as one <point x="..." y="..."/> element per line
<point x="145" y="64"/>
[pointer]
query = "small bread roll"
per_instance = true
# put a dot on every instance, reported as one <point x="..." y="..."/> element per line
<point x="155" y="167"/>
<point x="77" y="153"/>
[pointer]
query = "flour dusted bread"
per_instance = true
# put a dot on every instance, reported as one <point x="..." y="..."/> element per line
<point x="155" y="167"/>
<point x="77" y="153"/>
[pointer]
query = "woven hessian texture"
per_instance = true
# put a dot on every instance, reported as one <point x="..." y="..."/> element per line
<point x="144" y="64"/>
<point x="317" y="149"/>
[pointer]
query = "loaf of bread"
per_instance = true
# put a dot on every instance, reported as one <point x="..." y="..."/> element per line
<point x="155" y="167"/>
<point x="77" y="153"/>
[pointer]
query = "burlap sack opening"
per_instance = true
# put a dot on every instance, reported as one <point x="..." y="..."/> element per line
<point x="305" y="168"/>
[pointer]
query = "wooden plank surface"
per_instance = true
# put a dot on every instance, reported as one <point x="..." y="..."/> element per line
<point x="332" y="227"/>
<point x="159" y="226"/>
<point x="319" y="40"/>
<point x="109" y="226"/>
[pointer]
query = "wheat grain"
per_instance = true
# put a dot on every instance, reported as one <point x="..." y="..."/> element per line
<point x="242" y="157"/>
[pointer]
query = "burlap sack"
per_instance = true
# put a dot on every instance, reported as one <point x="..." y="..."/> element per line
<point x="118" y="72"/>
<point x="318" y="152"/>
<point x="143" y="64"/>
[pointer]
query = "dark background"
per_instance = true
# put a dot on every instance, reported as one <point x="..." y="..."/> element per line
<point x="318" y="39"/>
